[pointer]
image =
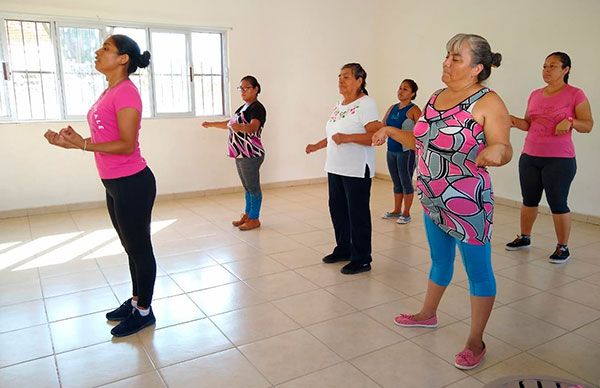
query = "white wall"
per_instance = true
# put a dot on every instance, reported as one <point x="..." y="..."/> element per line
<point x="295" y="49"/>
<point x="411" y="43"/>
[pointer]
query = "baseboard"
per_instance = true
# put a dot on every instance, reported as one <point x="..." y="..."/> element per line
<point x="595" y="220"/>
<point x="159" y="198"/>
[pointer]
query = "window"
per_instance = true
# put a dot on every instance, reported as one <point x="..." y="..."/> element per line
<point x="47" y="69"/>
<point x="208" y="73"/>
<point x="171" y="72"/>
<point x="82" y="84"/>
<point x="32" y="90"/>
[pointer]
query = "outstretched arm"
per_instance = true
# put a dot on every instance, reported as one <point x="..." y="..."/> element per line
<point x="215" y="124"/>
<point x="406" y="138"/>
<point x="310" y="148"/>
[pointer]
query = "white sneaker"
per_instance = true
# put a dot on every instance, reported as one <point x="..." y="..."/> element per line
<point x="404" y="220"/>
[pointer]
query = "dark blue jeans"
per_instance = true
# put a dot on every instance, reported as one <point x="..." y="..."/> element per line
<point x="402" y="166"/>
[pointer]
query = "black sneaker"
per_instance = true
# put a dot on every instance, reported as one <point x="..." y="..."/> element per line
<point x="335" y="257"/>
<point x="520" y="242"/>
<point x="355" y="267"/>
<point x="133" y="323"/>
<point x="560" y="255"/>
<point x="121" y="312"/>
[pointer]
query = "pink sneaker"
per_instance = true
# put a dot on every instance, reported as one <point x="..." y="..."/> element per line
<point x="407" y="320"/>
<point x="467" y="360"/>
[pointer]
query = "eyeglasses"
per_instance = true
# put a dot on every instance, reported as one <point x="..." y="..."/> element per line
<point x="243" y="89"/>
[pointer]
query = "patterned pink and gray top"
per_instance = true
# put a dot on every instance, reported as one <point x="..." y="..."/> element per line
<point x="454" y="191"/>
<point x="246" y="145"/>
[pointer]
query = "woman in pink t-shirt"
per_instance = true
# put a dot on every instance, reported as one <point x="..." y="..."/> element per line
<point x="114" y="122"/>
<point x="548" y="159"/>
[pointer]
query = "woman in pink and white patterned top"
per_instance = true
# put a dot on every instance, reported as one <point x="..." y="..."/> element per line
<point x="244" y="144"/>
<point x="463" y="130"/>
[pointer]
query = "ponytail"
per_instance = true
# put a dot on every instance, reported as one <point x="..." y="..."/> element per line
<point x="126" y="45"/>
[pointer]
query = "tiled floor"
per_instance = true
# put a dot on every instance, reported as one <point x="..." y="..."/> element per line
<point x="259" y="309"/>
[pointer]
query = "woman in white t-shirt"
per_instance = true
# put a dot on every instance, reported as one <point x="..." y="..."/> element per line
<point x="350" y="165"/>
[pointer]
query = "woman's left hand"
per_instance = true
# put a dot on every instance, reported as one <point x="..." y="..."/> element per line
<point x="72" y="136"/>
<point x="490" y="156"/>
<point x="562" y="128"/>
<point x="58" y="140"/>
<point x="339" y="138"/>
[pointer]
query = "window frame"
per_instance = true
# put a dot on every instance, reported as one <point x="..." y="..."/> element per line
<point x="104" y="27"/>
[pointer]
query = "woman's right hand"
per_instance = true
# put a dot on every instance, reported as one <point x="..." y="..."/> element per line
<point x="380" y="137"/>
<point x="206" y="124"/>
<point x="310" y="148"/>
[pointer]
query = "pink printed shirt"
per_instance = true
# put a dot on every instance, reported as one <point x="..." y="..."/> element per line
<point x="454" y="192"/>
<point x="544" y="113"/>
<point x="102" y="119"/>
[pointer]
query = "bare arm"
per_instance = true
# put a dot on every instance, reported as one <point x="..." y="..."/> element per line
<point x="406" y="138"/>
<point x="251" y="127"/>
<point x="583" y="121"/>
<point x="127" y="121"/>
<point x="215" y="124"/>
<point x="491" y="112"/>
<point x="385" y="117"/>
<point x="521" y="123"/>
<point x="359" y="138"/>
<point x="310" y="148"/>
<point x="414" y="113"/>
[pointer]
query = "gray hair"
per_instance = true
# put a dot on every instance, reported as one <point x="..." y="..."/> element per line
<point x="480" y="51"/>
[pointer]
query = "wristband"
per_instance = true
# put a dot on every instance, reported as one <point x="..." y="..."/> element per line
<point x="570" y="119"/>
<point x="84" y="145"/>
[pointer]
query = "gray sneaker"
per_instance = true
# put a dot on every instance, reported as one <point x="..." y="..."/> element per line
<point x="404" y="220"/>
<point x="391" y="215"/>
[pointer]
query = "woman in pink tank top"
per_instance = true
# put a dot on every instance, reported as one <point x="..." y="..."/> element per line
<point x="463" y="130"/>
<point x="547" y="163"/>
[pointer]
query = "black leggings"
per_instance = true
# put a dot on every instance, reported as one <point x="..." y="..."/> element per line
<point x="552" y="175"/>
<point x="129" y="201"/>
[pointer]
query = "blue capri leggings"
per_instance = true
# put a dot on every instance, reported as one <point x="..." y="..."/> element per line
<point x="477" y="260"/>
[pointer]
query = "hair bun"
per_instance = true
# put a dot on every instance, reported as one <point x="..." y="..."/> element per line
<point x="496" y="59"/>
<point x="144" y="59"/>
